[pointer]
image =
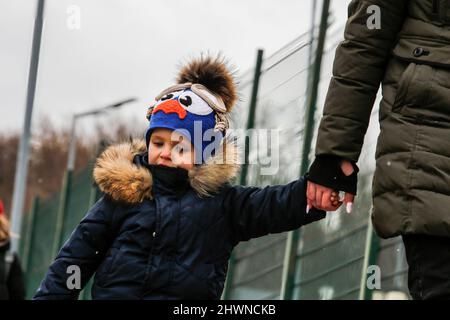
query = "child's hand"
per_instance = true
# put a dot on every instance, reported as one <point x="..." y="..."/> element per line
<point x="337" y="201"/>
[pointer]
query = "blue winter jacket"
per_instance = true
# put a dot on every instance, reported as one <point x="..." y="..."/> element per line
<point x="166" y="233"/>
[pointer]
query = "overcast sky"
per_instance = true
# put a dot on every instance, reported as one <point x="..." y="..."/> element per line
<point x="127" y="48"/>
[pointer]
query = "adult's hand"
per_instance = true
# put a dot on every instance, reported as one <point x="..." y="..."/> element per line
<point x="324" y="198"/>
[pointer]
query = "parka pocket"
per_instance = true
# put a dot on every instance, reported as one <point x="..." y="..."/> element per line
<point x="403" y="87"/>
<point x="106" y="266"/>
<point x="440" y="11"/>
<point x="422" y="95"/>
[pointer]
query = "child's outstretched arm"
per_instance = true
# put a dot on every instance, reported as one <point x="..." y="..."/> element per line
<point x="84" y="250"/>
<point x="255" y="212"/>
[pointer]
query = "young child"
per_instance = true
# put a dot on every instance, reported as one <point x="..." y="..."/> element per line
<point x="169" y="217"/>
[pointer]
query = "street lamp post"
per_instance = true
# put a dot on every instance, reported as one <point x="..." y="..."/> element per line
<point x="72" y="142"/>
<point x="67" y="180"/>
<point x="22" y="155"/>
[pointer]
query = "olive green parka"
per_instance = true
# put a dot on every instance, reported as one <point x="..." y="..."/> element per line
<point x="409" y="55"/>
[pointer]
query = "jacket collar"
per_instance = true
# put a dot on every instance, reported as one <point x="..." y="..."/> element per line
<point x="165" y="180"/>
<point x="122" y="172"/>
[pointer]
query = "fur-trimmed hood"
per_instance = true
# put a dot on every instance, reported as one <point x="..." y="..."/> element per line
<point x="120" y="177"/>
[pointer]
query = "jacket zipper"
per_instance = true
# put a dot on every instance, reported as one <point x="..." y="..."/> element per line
<point x="148" y="272"/>
<point x="176" y="240"/>
<point x="436" y="7"/>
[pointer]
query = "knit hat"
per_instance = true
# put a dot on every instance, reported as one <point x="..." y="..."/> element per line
<point x="197" y="106"/>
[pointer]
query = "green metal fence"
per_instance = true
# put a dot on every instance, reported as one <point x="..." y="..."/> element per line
<point x="332" y="255"/>
<point x="39" y="228"/>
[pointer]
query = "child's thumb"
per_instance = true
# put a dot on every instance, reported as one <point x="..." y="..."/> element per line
<point x="348" y="200"/>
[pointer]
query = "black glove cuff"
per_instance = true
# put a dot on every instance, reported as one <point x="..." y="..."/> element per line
<point x="326" y="171"/>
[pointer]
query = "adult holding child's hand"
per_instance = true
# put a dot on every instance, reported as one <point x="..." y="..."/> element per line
<point x="401" y="45"/>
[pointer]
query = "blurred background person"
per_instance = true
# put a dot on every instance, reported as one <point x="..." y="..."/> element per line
<point x="11" y="277"/>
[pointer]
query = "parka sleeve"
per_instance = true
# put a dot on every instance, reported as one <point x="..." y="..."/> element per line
<point x="85" y="250"/>
<point x="254" y="212"/>
<point x="358" y="69"/>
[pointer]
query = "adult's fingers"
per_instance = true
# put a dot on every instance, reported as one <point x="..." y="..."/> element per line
<point x="318" y="200"/>
<point x="310" y="194"/>
<point x="321" y="197"/>
<point x="326" y="199"/>
<point x="348" y="200"/>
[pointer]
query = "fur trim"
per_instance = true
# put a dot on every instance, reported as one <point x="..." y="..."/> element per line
<point x="117" y="175"/>
<point x="214" y="74"/>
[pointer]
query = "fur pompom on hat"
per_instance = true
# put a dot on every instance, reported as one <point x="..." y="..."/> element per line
<point x="213" y="73"/>
<point x="198" y="104"/>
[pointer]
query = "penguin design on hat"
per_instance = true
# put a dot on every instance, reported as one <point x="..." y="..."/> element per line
<point x="198" y="105"/>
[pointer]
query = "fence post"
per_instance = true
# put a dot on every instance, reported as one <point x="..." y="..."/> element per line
<point x="20" y="178"/>
<point x="289" y="265"/>
<point x="24" y="233"/>
<point x="243" y="175"/>
<point x="84" y="294"/>
<point x="63" y="203"/>
<point x="28" y="241"/>
<point x="371" y="251"/>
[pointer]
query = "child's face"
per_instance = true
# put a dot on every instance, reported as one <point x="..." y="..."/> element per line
<point x="170" y="148"/>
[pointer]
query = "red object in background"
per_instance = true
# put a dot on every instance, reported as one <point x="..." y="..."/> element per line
<point x="2" y="208"/>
